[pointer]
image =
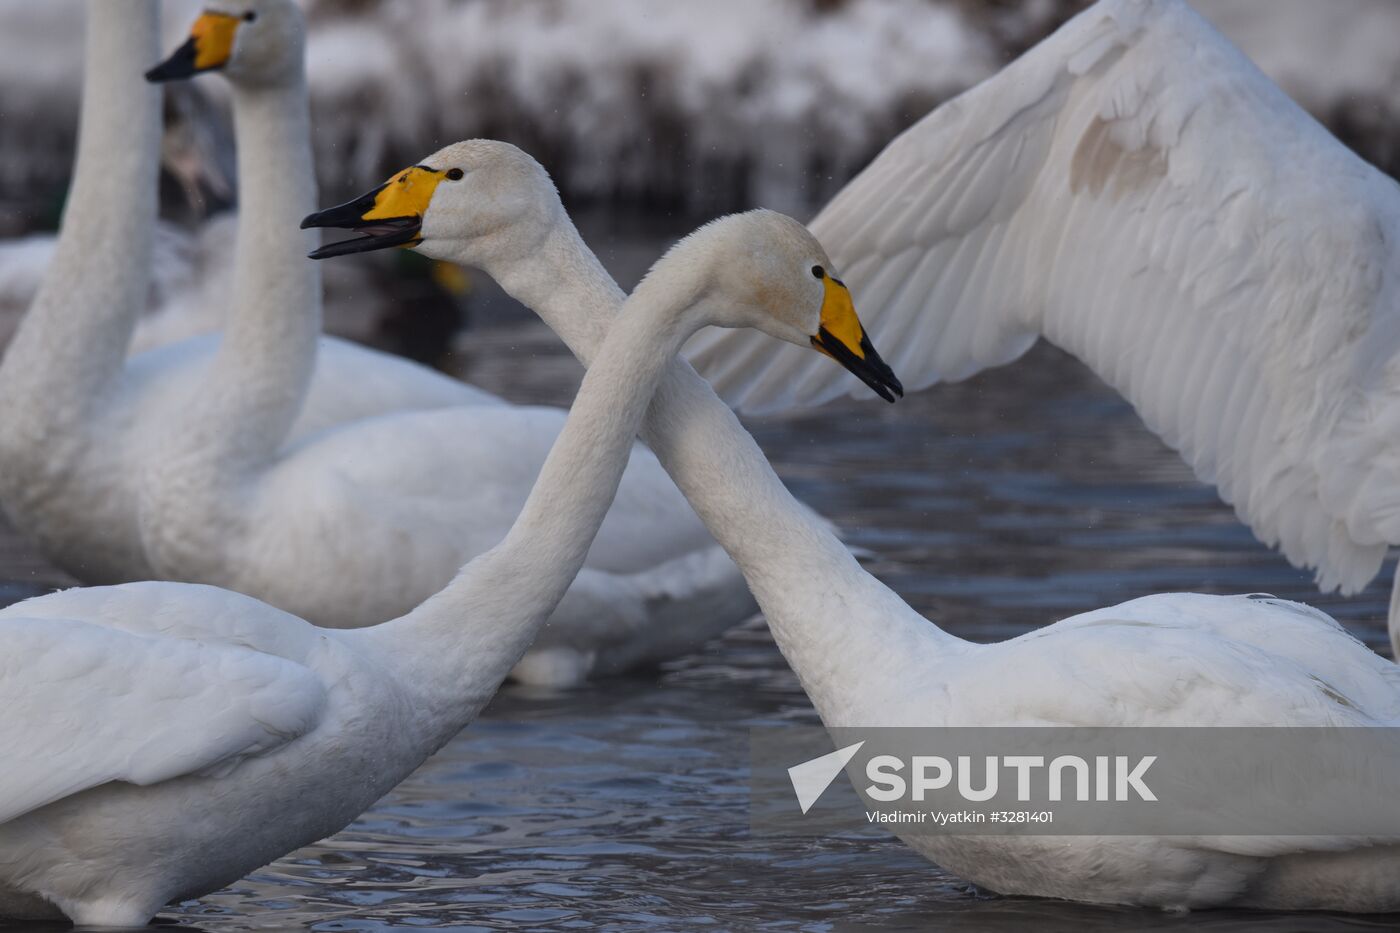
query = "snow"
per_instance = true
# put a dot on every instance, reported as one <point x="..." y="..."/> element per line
<point x="634" y="91"/>
<point x="705" y="106"/>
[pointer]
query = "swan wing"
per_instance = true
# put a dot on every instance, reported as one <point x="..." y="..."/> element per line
<point x="1188" y="659"/>
<point x="1137" y="192"/>
<point x="1181" y="659"/>
<point x="85" y="704"/>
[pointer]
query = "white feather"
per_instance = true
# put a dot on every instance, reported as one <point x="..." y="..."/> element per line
<point x="1134" y="190"/>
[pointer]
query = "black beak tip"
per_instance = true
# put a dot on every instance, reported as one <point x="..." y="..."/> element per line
<point x="877" y="374"/>
<point x="178" y="66"/>
<point x="890" y="388"/>
<point x="309" y="221"/>
<point x="867" y="366"/>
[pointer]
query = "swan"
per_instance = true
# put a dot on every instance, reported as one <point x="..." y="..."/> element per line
<point x="865" y="658"/>
<point x="362" y="522"/>
<point x="1136" y="192"/>
<point x="80" y="421"/>
<point x="164" y="739"/>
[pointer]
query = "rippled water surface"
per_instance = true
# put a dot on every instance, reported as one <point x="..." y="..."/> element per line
<point x="1023" y="496"/>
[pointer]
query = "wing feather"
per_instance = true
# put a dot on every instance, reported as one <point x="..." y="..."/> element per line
<point x="1134" y="190"/>
<point x="86" y="705"/>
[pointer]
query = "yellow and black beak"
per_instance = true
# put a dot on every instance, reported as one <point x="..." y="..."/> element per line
<point x="210" y="46"/>
<point x="390" y="215"/>
<point x="842" y="338"/>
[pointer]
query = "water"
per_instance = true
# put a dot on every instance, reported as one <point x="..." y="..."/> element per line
<point x="995" y="506"/>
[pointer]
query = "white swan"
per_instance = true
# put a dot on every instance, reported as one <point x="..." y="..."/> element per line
<point x="361" y="523"/>
<point x="1135" y="191"/>
<point x="79" y="421"/>
<point x="867" y="659"/>
<point x="164" y="739"/>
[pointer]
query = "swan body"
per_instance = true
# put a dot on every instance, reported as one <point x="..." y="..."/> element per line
<point x="362" y="522"/>
<point x="80" y="422"/>
<point x="85" y="516"/>
<point x="1168" y="660"/>
<point x="164" y="738"/>
<point x="865" y="658"/>
<point x="359" y="523"/>
<point x="1135" y="191"/>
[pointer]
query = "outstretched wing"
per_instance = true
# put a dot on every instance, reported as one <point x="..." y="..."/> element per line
<point x="1137" y="192"/>
<point x="82" y="704"/>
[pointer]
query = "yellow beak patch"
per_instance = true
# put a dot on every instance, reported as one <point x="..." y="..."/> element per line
<point x="839" y="318"/>
<point x="406" y="194"/>
<point x="213" y="35"/>
<point x="841" y="337"/>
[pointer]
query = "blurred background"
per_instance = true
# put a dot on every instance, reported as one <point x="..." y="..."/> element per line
<point x="650" y="116"/>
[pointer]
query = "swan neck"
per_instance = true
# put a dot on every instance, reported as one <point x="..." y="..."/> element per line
<point x="562" y="281"/>
<point x="256" y="384"/>
<point x="841" y="629"/>
<point x="71" y="346"/>
<point x="844" y="633"/>
<point x="268" y="352"/>
<point x="468" y="637"/>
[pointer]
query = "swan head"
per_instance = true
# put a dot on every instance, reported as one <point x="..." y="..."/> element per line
<point x="766" y="271"/>
<point x="476" y="202"/>
<point x="482" y="202"/>
<point x="254" y="42"/>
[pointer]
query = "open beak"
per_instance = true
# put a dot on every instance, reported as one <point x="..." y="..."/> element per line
<point x="842" y="338"/>
<point x="209" y="46"/>
<point x="390" y="215"/>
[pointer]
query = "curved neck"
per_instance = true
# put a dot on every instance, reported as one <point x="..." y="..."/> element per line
<point x="71" y="346"/>
<point x="563" y="282"/>
<point x="459" y="645"/>
<point x="841" y="629"/>
<point x="256" y="385"/>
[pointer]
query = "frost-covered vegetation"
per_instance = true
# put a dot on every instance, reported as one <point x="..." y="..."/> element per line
<point x="687" y="106"/>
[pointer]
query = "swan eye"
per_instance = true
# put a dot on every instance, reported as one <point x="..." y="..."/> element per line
<point x="454" y="174"/>
<point x="249" y="16"/>
<point x="819" y="272"/>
